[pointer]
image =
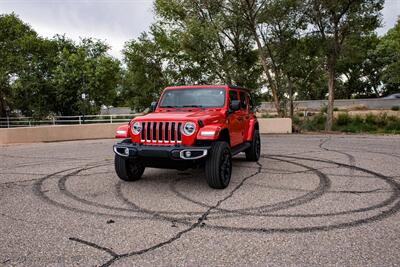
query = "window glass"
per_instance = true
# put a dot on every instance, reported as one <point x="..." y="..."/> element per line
<point x="196" y="97"/>
<point x="232" y="95"/>
<point x="251" y="104"/>
<point x="243" y="104"/>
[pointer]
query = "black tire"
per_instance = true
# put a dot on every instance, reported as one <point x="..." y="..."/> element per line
<point x="253" y="152"/>
<point x="127" y="169"/>
<point x="219" y="165"/>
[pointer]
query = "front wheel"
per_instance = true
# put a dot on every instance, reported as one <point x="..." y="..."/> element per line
<point x="253" y="152"/>
<point x="128" y="170"/>
<point x="219" y="165"/>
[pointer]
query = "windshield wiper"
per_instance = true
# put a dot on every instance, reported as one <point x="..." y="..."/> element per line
<point x="192" y="106"/>
<point x="184" y="106"/>
<point x="169" y="107"/>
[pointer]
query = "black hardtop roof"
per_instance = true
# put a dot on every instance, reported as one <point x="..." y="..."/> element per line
<point x="239" y="88"/>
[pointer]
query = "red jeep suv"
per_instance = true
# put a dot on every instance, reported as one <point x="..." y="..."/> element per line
<point x="189" y="127"/>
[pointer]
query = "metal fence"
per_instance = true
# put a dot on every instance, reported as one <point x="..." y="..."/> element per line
<point x="11" y="122"/>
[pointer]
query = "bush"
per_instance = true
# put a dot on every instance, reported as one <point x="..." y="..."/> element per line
<point x="296" y="120"/>
<point x="324" y="109"/>
<point x="315" y="123"/>
<point x="343" y="119"/>
<point x="370" y="118"/>
<point x="396" y="108"/>
<point x="357" y="124"/>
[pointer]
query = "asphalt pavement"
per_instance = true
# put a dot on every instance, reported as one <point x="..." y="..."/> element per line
<point x="330" y="200"/>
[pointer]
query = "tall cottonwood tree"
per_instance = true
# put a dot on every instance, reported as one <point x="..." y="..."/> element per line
<point x="191" y="42"/>
<point x="251" y="10"/>
<point x="16" y="42"/>
<point x="334" y="22"/>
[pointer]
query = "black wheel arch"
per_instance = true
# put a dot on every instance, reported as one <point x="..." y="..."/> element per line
<point x="224" y="136"/>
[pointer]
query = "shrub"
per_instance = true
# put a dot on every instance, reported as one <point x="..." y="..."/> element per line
<point x="296" y="120"/>
<point x="357" y="124"/>
<point x="315" y="123"/>
<point x="324" y="109"/>
<point x="370" y="118"/>
<point x="343" y="119"/>
<point x="396" y="108"/>
<point x="358" y="119"/>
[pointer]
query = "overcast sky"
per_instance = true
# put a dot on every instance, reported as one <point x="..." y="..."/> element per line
<point x="114" y="21"/>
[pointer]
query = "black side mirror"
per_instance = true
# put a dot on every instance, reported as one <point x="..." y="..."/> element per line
<point x="153" y="106"/>
<point x="234" y="106"/>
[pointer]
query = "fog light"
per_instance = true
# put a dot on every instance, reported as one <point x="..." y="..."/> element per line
<point x="188" y="154"/>
<point x="126" y="151"/>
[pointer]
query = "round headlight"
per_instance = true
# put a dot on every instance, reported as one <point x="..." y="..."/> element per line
<point x="136" y="127"/>
<point x="189" y="128"/>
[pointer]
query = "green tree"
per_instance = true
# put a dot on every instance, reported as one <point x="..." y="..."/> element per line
<point x="144" y="76"/>
<point x="34" y="92"/>
<point x="388" y="51"/>
<point x="15" y="40"/>
<point x="192" y="42"/>
<point x="280" y="25"/>
<point x="84" y="69"/>
<point x="360" y="68"/>
<point x="213" y="44"/>
<point x="334" y="22"/>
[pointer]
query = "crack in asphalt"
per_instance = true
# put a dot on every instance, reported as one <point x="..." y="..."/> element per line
<point x="200" y="222"/>
<point x="178" y="235"/>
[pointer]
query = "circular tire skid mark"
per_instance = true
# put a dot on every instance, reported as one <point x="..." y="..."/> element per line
<point x="134" y="211"/>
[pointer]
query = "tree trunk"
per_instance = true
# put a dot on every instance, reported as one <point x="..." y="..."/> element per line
<point x="264" y="64"/>
<point x="291" y="97"/>
<point x="2" y="104"/>
<point x="331" y="89"/>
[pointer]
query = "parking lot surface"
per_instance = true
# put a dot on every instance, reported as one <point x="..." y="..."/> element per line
<point x="310" y="200"/>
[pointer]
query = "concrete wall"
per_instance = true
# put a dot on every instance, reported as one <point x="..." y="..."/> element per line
<point x="102" y="131"/>
<point x="374" y="103"/>
<point x="57" y="133"/>
<point x="275" y="125"/>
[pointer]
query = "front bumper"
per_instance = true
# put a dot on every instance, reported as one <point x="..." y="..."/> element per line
<point x="132" y="150"/>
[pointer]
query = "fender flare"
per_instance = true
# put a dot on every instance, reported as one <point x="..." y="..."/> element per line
<point x="122" y="131"/>
<point x="253" y="125"/>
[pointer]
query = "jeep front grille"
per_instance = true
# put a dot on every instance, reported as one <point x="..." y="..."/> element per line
<point x="161" y="132"/>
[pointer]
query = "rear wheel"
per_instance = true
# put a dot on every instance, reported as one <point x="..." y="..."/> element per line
<point x="253" y="152"/>
<point x="219" y="165"/>
<point x="127" y="169"/>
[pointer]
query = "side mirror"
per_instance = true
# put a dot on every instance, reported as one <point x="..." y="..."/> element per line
<point x="153" y="106"/>
<point x="234" y="106"/>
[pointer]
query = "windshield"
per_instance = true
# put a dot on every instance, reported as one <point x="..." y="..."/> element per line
<point x="193" y="98"/>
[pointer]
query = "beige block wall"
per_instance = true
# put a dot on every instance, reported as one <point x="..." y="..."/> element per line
<point x="275" y="125"/>
<point x="58" y="133"/>
<point x="102" y="131"/>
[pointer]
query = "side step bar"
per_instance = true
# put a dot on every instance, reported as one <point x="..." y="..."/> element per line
<point x="240" y="148"/>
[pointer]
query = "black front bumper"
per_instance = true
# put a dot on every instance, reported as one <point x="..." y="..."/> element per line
<point x="133" y="150"/>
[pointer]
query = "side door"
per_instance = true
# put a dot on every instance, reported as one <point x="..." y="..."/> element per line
<point x="243" y="115"/>
<point x="234" y="123"/>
